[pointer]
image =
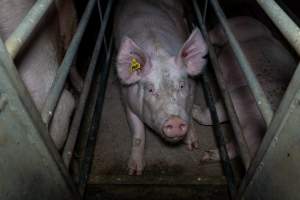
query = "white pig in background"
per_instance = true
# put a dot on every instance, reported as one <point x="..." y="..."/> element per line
<point x="155" y="63"/>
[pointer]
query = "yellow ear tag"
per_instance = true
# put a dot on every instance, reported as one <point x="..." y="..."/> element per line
<point x="135" y="65"/>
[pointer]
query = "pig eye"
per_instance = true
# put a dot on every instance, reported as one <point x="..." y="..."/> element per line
<point x="150" y="88"/>
<point x="181" y="85"/>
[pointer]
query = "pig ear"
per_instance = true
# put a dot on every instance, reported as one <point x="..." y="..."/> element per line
<point x="128" y="52"/>
<point x="192" y="53"/>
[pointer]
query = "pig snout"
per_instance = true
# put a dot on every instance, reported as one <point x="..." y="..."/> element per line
<point x="175" y="128"/>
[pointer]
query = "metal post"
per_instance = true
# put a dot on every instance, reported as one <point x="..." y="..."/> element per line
<point x="283" y="22"/>
<point x="93" y="131"/>
<point x="258" y="93"/>
<point x="17" y="39"/>
<point x="219" y="135"/>
<point x="245" y="153"/>
<point x="63" y="70"/>
<point x="69" y="147"/>
<point x="277" y="160"/>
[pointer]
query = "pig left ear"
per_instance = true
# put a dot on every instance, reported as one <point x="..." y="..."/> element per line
<point x="192" y="53"/>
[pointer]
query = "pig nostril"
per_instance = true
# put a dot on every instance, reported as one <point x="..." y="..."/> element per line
<point x="169" y="127"/>
<point x="182" y="126"/>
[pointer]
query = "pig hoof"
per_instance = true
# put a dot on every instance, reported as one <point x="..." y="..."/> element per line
<point x="135" y="167"/>
<point x="192" y="143"/>
<point x="210" y="156"/>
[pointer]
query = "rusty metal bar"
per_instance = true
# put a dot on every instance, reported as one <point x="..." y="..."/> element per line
<point x="19" y="37"/>
<point x="257" y="91"/>
<point x="284" y="23"/>
<point x="69" y="147"/>
<point x="244" y="150"/>
<point x="63" y="70"/>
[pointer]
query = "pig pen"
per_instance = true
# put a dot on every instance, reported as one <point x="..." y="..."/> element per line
<point x="171" y="172"/>
<point x="93" y="162"/>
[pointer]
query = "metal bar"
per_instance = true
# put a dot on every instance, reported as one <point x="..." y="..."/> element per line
<point x="19" y="37"/>
<point x="205" y="11"/>
<point x="259" y="95"/>
<point x="283" y="22"/>
<point x="27" y="143"/>
<point x="219" y="135"/>
<point x="153" y="179"/>
<point x="244" y="150"/>
<point x="69" y="147"/>
<point x="92" y="136"/>
<point x="289" y="102"/>
<point x="63" y="70"/>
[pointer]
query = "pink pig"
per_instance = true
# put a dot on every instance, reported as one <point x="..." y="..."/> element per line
<point x="155" y="63"/>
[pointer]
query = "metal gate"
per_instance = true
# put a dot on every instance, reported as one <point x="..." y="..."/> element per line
<point x="30" y="165"/>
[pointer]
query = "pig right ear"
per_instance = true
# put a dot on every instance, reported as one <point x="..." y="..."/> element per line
<point x="128" y="55"/>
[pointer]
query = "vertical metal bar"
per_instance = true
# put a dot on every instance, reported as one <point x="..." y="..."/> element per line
<point x="205" y="11"/>
<point x="258" y="93"/>
<point x="283" y="22"/>
<point x="285" y="109"/>
<point x="63" y="70"/>
<point x="92" y="136"/>
<point x="17" y="39"/>
<point x="219" y="135"/>
<point x="69" y="147"/>
<point x="245" y="153"/>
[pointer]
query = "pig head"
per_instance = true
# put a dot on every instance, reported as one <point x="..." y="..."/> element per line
<point x="161" y="92"/>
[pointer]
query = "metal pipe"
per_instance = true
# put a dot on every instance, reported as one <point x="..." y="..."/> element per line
<point x="284" y="23"/>
<point x="69" y="147"/>
<point x="220" y="139"/>
<point x="92" y="134"/>
<point x="244" y="150"/>
<point x="258" y="93"/>
<point x="63" y="70"/>
<point x="19" y="37"/>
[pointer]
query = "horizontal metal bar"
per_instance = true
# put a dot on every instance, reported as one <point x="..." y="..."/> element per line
<point x="258" y="93"/>
<point x="244" y="150"/>
<point x="19" y="37"/>
<point x="151" y="180"/>
<point x="283" y="112"/>
<point x="63" y="70"/>
<point x="69" y="147"/>
<point x="284" y="23"/>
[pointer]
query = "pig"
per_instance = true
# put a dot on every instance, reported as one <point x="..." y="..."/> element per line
<point x="38" y="62"/>
<point x="156" y="63"/>
<point x="273" y="65"/>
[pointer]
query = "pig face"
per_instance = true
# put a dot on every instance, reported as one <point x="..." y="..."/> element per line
<point x="162" y="84"/>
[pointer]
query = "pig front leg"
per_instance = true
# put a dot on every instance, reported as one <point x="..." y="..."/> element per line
<point x="136" y="162"/>
<point x="202" y="115"/>
<point x="191" y="139"/>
